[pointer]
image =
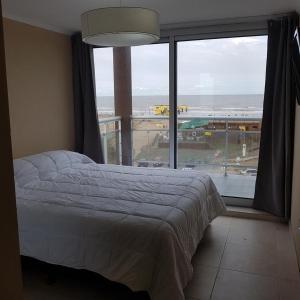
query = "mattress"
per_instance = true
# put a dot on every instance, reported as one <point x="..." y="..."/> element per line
<point x="136" y="226"/>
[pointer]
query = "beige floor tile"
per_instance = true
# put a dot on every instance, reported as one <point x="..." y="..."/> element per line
<point x="250" y="258"/>
<point x="210" y="249"/>
<point x="200" y="287"/>
<point x="209" y="254"/>
<point x="289" y="290"/>
<point x="253" y="232"/>
<point x="217" y="231"/>
<point x="222" y="221"/>
<point x="232" y="285"/>
<point x="286" y="255"/>
<point x="288" y="267"/>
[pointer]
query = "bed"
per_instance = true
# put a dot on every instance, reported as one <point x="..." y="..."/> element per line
<point x="136" y="226"/>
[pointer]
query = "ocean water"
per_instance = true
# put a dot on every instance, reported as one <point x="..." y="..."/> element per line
<point x="196" y="103"/>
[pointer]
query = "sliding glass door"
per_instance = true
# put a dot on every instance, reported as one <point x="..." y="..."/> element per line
<point x="104" y="82"/>
<point x="220" y="88"/>
<point x="196" y="104"/>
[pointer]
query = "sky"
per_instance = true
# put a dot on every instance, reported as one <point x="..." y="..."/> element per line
<point x="230" y="66"/>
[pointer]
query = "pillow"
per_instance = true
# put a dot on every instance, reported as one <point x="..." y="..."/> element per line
<point x="45" y="165"/>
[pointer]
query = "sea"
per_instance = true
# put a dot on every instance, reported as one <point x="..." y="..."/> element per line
<point x="200" y="105"/>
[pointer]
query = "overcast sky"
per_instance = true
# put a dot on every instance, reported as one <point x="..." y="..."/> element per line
<point x="206" y="67"/>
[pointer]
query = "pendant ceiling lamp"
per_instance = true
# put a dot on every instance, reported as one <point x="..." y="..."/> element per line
<point x="120" y="26"/>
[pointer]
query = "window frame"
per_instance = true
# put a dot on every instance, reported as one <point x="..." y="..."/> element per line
<point x="243" y="27"/>
<point x="199" y="33"/>
<point x="203" y="33"/>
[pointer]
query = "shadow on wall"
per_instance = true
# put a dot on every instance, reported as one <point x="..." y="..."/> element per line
<point x="39" y="74"/>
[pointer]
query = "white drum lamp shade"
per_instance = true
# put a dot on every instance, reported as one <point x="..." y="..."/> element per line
<point x="120" y="26"/>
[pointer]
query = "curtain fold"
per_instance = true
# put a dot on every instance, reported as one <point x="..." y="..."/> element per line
<point x="275" y="166"/>
<point x="296" y="62"/>
<point x="87" y="132"/>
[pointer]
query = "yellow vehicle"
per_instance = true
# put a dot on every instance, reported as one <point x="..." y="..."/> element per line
<point x="161" y="109"/>
<point x="164" y="109"/>
<point x="207" y="133"/>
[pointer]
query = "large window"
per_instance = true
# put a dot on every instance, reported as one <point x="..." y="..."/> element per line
<point x="218" y="87"/>
<point x="150" y="105"/>
<point x="109" y="127"/>
<point x="220" y="100"/>
<point x="104" y="79"/>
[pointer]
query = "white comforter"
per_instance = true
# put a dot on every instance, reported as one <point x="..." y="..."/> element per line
<point x="136" y="226"/>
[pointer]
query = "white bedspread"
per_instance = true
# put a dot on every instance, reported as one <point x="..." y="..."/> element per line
<point x="136" y="226"/>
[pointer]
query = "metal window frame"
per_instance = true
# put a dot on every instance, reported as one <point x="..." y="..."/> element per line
<point x="105" y="121"/>
<point x="199" y="33"/>
<point x="226" y="28"/>
<point x="239" y="28"/>
<point x="173" y="102"/>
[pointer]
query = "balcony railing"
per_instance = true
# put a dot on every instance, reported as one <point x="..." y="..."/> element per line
<point x="110" y="129"/>
<point x="225" y="147"/>
<point x="220" y="146"/>
<point x="228" y="142"/>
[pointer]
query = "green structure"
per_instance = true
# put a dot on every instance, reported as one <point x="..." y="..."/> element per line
<point x="192" y="124"/>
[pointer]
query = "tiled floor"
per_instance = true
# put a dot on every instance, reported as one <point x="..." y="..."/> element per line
<point x="238" y="259"/>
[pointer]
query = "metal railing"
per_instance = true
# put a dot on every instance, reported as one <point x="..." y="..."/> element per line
<point x="227" y="132"/>
<point x="110" y="129"/>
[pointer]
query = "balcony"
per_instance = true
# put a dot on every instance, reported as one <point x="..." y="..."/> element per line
<point x="227" y="148"/>
<point x="110" y="129"/>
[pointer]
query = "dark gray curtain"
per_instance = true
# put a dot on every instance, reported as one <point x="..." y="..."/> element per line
<point x="296" y="62"/>
<point x="87" y="133"/>
<point x="274" y="178"/>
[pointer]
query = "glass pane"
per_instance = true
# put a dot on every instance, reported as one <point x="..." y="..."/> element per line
<point x="200" y="145"/>
<point x="110" y="137"/>
<point x="220" y="102"/>
<point x="151" y="142"/>
<point x="150" y="105"/>
<point x="110" y="129"/>
<point x="104" y="80"/>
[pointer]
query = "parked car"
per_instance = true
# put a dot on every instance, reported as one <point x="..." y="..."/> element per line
<point x="158" y="164"/>
<point x="143" y="164"/>
<point x="249" y="172"/>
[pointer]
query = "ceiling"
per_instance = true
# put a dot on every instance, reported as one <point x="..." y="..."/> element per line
<point x="64" y="15"/>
